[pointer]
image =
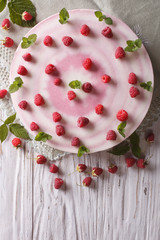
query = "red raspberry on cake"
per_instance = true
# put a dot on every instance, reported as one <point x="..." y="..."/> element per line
<point x="106" y="78"/>
<point x="56" y="117"/>
<point x="6" y="24"/>
<point x="23" y="104"/>
<point x="16" y="142"/>
<point x="85" y="30"/>
<point x="60" y="130"/>
<point x="99" y="109"/>
<point x="50" y="68"/>
<point x="34" y="126"/>
<point x="111" y="135"/>
<point x="87" y="63"/>
<point x="3" y="93"/>
<point x="58" y="182"/>
<point x="67" y="41"/>
<point x="57" y="81"/>
<point x="53" y="168"/>
<point x="87" y="87"/>
<point x="27" y="57"/>
<point x="120" y="53"/>
<point x="75" y="142"/>
<point x="38" y="100"/>
<point x="71" y="95"/>
<point x="8" y="42"/>
<point x="82" y="121"/>
<point x="48" y="41"/>
<point x="22" y="70"/>
<point x="26" y="16"/>
<point x="122" y="115"/>
<point x="134" y="92"/>
<point x="107" y="32"/>
<point x="132" y="78"/>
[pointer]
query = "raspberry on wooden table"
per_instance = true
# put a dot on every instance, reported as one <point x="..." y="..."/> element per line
<point x="6" y="24"/>
<point x="3" y="93"/>
<point x="87" y="181"/>
<point x="41" y="159"/>
<point x="58" y="182"/>
<point x="130" y="161"/>
<point x="112" y="169"/>
<point x="53" y="168"/>
<point x="8" y="42"/>
<point x="16" y="142"/>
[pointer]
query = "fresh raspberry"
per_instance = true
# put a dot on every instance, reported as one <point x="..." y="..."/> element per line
<point x="96" y="172"/>
<point x="16" y="142"/>
<point x="82" y="121"/>
<point x="53" y="168"/>
<point x="87" y="181"/>
<point x="48" y="41"/>
<point x="56" y="117"/>
<point x="67" y="41"/>
<point x="41" y="159"/>
<point x="107" y="32"/>
<point x="75" y="141"/>
<point x="85" y="30"/>
<point x="23" y="104"/>
<point x="87" y="63"/>
<point x="132" y="78"/>
<point x="99" y="109"/>
<point x="141" y="163"/>
<point x="60" y="130"/>
<point x="150" y="138"/>
<point x="8" y="42"/>
<point x="38" y="100"/>
<point x="112" y="169"/>
<point x="134" y="92"/>
<point x="81" y="167"/>
<point x="120" y="53"/>
<point x="106" y="78"/>
<point x="71" y="95"/>
<point x="34" y="126"/>
<point x="57" y="81"/>
<point x="6" y="24"/>
<point x="111" y="135"/>
<point x="87" y="87"/>
<point x="26" y="16"/>
<point x="130" y="162"/>
<point x="122" y="115"/>
<point x="50" y="69"/>
<point x="27" y="57"/>
<point x="58" y="182"/>
<point x="3" y="93"/>
<point x="22" y="70"/>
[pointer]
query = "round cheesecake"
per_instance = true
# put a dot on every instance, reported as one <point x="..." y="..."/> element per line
<point x="89" y="51"/>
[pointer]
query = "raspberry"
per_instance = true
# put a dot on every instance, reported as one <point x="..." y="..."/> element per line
<point x="134" y="92"/>
<point x="141" y="163"/>
<point x="22" y="70"/>
<point x="107" y="32"/>
<point x="96" y="172"/>
<point x="58" y="182"/>
<point x="130" y="162"/>
<point x="99" y="109"/>
<point x="27" y="57"/>
<point x="16" y="142"/>
<point x="81" y="167"/>
<point x="112" y="169"/>
<point x="57" y="81"/>
<point x="71" y="95"/>
<point x="82" y="121"/>
<point x="120" y="53"/>
<point x="56" y="117"/>
<point x="87" y="181"/>
<point x="8" y="42"/>
<point x="26" y="16"/>
<point x="34" y="126"/>
<point x="85" y="30"/>
<point x="132" y="78"/>
<point x="60" y="130"/>
<point x="6" y="24"/>
<point x="75" y="141"/>
<point x="3" y="93"/>
<point x="48" y="41"/>
<point x="67" y="41"/>
<point x="87" y="63"/>
<point x="106" y="78"/>
<point x="150" y="138"/>
<point x="111" y="135"/>
<point x="50" y="68"/>
<point x="23" y="104"/>
<point x="53" y="168"/>
<point x="122" y="115"/>
<point x="41" y="159"/>
<point x="87" y="87"/>
<point x="38" y="100"/>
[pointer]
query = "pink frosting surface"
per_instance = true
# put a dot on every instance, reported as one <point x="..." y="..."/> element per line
<point x="68" y="61"/>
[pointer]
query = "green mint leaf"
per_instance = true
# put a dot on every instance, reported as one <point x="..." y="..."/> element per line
<point x="101" y="19"/>
<point x="98" y="14"/>
<point x="120" y="149"/>
<point x="19" y="131"/>
<point x="13" y="88"/>
<point x="15" y="85"/>
<point x="63" y="16"/>
<point x="149" y="83"/>
<point x="25" y="45"/>
<point x="10" y="119"/>
<point x="32" y="38"/>
<point x="3" y="132"/>
<point x="17" y="7"/>
<point x="130" y="43"/>
<point x="134" y="143"/>
<point x="2" y="5"/>
<point x="121" y="128"/>
<point x="18" y="81"/>
<point x="133" y="45"/>
<point x="27" y="42"/>
<point x="128" y="49"/>
<point x="82" y="149"/>
<point x="42" y="136"/>
<point x="147" y="86"/>
<point x="138" y="43"/>
<point x="121" y="131"/>
<point x="75" y="84"/>
<point x="134" y="49"/>
<point x="108" y="21"/>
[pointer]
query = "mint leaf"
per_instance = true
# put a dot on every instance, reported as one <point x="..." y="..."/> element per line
<point x="120" y="149"/>
<point x="133" y="46"/>
<point x="147" y="86"/>
<point x="42" y="136"/>
<point x="32" y="38"/>
<point x="17" y="7"/>
<point x="75" y="84"/>
<point x="138" y="43"/>
<point x="19" y="131"/>
<point x="3" y="132"/>
<point x="27" y="42"/>
<point x="15" y="85"/>
<point x="102" y="17"/>
<point x="130" y="43"/>
<point x="128" y="49"/>
<point x="121" y="128"/>
<point x="82" y="149"/>
<point x="108" y="21"/>
<point x="10" y="119"/>
<point x="63" y="16"/>
<point x="134" y="143"/>
<point x="98" y="14"/>
<point x="2" y="5"/>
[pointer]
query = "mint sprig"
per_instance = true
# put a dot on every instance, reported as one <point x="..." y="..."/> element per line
<point x="102" y="17"/>
<point x="75" y="84"/>
<point x="15" y="85"/>
<point x="2" y="5"/>
<point x="82" y="149"/>
<point x="120" y="149"/>
<point x="147" y="86"/>
<point x="121" y="128"/>
<point x="63" y="16"/>
<point x="27" y="42"/>
<point x="133" y="46"/>
<point x="134" y="143"/>
<point x="42" y="136"/>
